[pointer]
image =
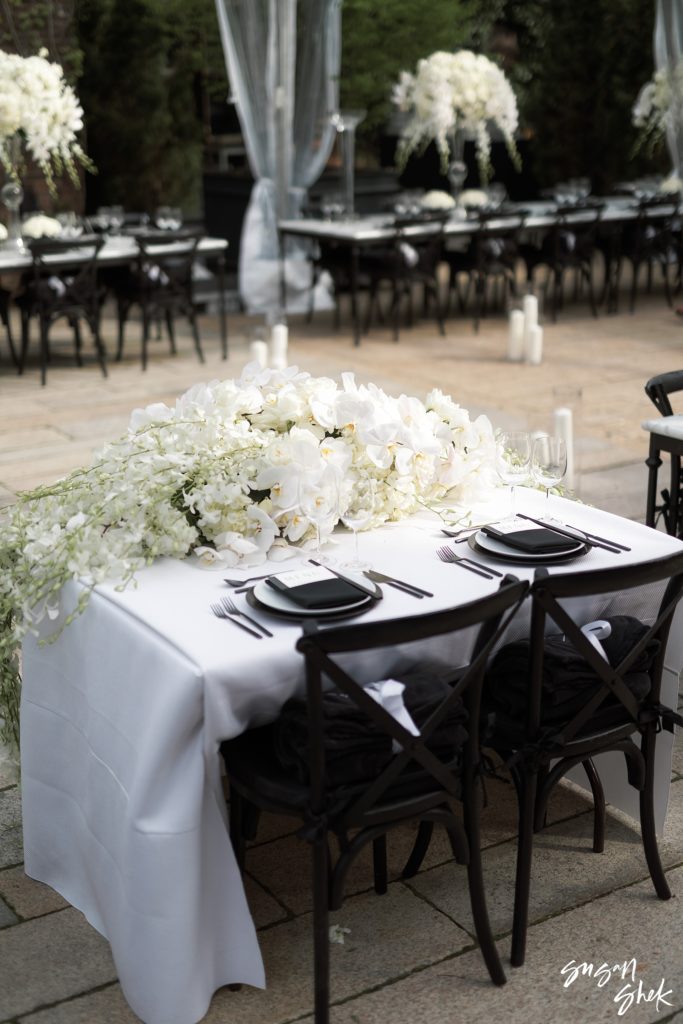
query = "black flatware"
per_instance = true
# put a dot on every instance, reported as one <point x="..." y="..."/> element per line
<point x="410" y="588"/>
<point x="579" y="536"/>
<point x="370" y="591"/>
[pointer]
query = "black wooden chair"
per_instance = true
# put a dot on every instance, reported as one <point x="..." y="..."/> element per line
<point x="374" y="790"/>
<point x="162" y="285"/>
<point x="651" y="240"/>
<point x="490" y="261"/>
<point x="666" y="435"/>
<point x="570" y="247"/>
<point x="412" y="258"/>
<point x="5" y="299"/>
<point x="63" y="284"/>
<point x="557" y="702"/>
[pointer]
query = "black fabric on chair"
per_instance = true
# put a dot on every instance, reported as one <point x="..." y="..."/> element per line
<point x="545" y="730"/>
<point x="421" y="781"/>
<point x="161" y="284"/>
<point x="63" y="283"/>
<point x="670" y="510"/>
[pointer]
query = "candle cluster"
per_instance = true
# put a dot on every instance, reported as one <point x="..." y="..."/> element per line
<point x="525" y="340"/>
<point x="273" y="353"/>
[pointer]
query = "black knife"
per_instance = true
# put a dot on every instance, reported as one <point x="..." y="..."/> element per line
<point x="578" y="536"/>
<point x="370" y="591"/>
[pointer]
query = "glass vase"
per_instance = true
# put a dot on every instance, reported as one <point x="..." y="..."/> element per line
<point x="457" y="168"/>
<point x="12" y="195"/>
<point x="346" y="122"/>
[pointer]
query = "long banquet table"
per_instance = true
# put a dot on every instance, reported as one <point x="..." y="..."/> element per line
<point x="120" y="250"/>
<point x="365" y="232"/>
<point x="121" y="718"/>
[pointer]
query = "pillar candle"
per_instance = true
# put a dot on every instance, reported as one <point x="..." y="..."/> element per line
<point x="516" y="336"/>
<point x="258" y="353"/>
<point x="530" y="307"/>
<point x="278" y="347"/>
<point x="564" y="427"/>
<point x="534" y="351"/>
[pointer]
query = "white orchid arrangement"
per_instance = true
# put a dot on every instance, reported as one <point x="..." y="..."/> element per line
<point x="456" y="92"/>
<point x="225" y="477"/>
<point x="659" y="105"/>
<point x="41" y="110"/>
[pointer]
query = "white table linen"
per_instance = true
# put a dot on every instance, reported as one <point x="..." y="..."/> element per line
<point x="121" y="721"/>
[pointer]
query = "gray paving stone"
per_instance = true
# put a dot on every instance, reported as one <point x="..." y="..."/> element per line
<point x="7" y="915"/>
<point x="106" y="1006"/>
<point x="9" y="767"/>
<point x="264" y="909"/>
<point x="11" y="840"/>
<point x="565" y="873"/>
<point x="389" y="936"/>
<point x="50" y="959"/>
<point x="28" y="897"/>
<point x="627" y="924"/>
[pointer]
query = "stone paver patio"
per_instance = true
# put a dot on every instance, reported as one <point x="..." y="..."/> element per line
<point x="409" y="956"/>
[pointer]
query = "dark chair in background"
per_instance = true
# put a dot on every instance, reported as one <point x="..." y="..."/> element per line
<point x="5" y="299"/>
<point x="161" y="284"/>
<point x="569" y="247"/>
<point x="412" y="259"/>
<point x="377" y="786"/>
<point x="490" y="262"/>
<point x="557" y="702"/>
<point x="651" y="241"/>
<point x="62" y="284"/>
<point x="666" y="435"/>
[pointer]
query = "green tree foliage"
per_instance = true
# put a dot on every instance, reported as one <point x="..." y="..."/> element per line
<point x="28" y="25"/>
<point x="381" y="39"/>
<point x="142" y="90"/>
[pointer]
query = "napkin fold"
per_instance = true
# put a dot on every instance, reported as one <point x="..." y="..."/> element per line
<point x="538" y="541"/>
<point x="327" y="593"/>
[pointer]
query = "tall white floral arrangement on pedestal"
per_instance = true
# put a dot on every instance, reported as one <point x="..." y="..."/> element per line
<point x="40" y="117"/>
<point x="224" y="476"/>
<point x="659" y="106"/>
<point x="456" y="92"/>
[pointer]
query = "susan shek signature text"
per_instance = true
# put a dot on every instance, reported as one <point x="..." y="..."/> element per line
<point x="631" y="992"/>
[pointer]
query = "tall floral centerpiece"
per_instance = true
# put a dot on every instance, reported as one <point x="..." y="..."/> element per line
<point x="40" y="118"/>
<point x="452" y="95"/>
<point x="658" y="111"/>
<point x="225" y="477"/>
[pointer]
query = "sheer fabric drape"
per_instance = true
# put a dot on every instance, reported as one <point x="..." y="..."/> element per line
<point x="283" y="60"/>
<point x="668" y="48"/>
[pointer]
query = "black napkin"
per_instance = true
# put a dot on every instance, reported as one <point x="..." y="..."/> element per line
<point x="332" y="593"/>
<point x="534" y="542"/>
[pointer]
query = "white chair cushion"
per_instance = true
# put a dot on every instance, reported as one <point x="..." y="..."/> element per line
<point x="667" y="426"/>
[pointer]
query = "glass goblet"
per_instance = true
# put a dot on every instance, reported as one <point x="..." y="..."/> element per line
<point x="548" y="461"/>
<point x="320" y="504"/>
<point x="357" y="517"/>
<point x="512" y="462"/>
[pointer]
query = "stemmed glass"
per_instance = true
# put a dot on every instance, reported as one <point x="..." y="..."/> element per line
<point x="357" y="517"/>
<point x="548" y="461"/>
<point x="319" y="504"/>
<point x="512" y="462"/>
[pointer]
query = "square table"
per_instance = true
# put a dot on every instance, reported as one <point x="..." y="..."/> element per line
<point x="122" y="717"/>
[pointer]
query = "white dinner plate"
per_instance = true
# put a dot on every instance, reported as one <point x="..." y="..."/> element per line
<point x="278" y="602"/>
<point x="497" y="549"/>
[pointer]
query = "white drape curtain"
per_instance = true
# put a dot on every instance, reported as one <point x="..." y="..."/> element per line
<point x="668" y="50"/>
<point x="283" y="62"/>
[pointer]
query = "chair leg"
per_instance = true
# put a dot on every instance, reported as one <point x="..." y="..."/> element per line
<point x="122" y="317"/>
<point x="321" y="949"/>
<point x="653" y="462"/>
<point x="78" y="341"/>
<point x="99" y="347"/>
<point x="647" y="818"/>
<point x="10" y="340"/>
<point x="523" y="875"/>
<point x="25" y="338"/>
<point x="475" y="877"/>
<point x="379" y="864"/>
<point x="599" y="809"/>
<point x="192" y="317"/>
<point x="44" y="349"/>
<point x="171" y="332"/>
<point x="419" y="851"/>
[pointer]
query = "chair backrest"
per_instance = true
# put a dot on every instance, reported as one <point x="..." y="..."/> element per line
<point x="166" y="261"/>
<point x="659" y="388"/>
<point x="615" y="696"/>
<point x="72" y="263"/>
<point x="325" y="651"/>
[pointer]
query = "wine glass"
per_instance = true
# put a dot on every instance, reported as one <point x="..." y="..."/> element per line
<point x="512" y="461"/>
<point x="548" y="461"/>
<point x="357" y="517"/>
<point x="319" y="504"/>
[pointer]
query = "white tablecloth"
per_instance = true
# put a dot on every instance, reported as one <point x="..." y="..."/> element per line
<point x="121" y="720"/>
